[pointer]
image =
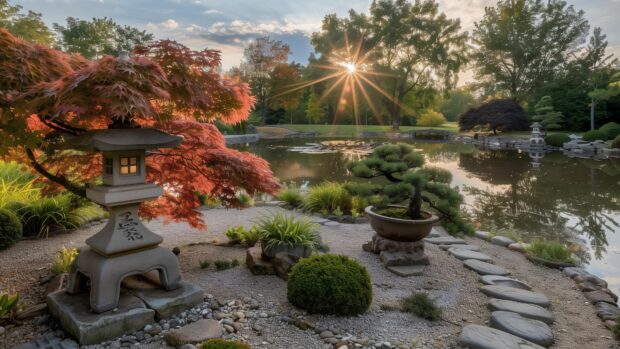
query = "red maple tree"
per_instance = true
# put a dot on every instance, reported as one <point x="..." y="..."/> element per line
<point x="47" y="95"/>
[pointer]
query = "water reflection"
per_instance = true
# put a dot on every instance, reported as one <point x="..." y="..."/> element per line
<point x="541" y="195"/>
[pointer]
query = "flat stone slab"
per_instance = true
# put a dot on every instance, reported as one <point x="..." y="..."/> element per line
<point x="464" y="254"/>
<point x="502" y="241"/>
<point x="484" y="268"/>
<point x="529" y="311"/>
<point x="87" y="327"/>
<point x="518" y="247"/>
<point x="166" y="303"/>
<point x="532" y="330"/>
<point x="407" y="270"/>
<point x="598" y="297"/>
<point x="607" y="311"/>
<point x="515" y="294"/>
<point x="482" y="337"/>
<point x="571" y="272"/>
<point x="195" y="333"/>
<point x="503" y="281"/>
<point x="462" y="247"/>
<point x="483" y="235"/>
<point x="49" y="341"/>
<point x="445" y="241"/>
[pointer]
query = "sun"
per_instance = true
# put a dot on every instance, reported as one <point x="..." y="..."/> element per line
<point x="350" y="67"/>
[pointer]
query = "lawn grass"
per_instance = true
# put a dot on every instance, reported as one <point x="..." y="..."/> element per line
<point x="351" y="130"/>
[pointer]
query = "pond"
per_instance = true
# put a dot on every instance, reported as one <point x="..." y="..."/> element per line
<point x="554" y="197"/>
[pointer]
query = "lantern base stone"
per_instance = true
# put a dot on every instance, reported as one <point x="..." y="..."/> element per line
<point x="87" y="327"/>
<point x="165" y="303"/>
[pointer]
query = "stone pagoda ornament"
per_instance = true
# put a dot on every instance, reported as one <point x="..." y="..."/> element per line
<point x="124" y="247"/>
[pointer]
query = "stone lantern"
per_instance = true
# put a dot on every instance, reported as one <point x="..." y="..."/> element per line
<point x="536" y="141"/>
<point x="124" y="247"/>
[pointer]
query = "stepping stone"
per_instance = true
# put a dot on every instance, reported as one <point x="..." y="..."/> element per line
<point x="515" y="294"/>
<point x="406" y="270"/>
<point x="331" y="224"/>
<point x="518" y="247"/>
<point x="445" y="241"/>
<point x="607" y="311"/>
<point x="464" y="254"/>
<point x="532" y="330"/>
<point x="502" y="241"/>
<point x="571" y="272"/>
<point x="599" y="296"/>
<point x="434" y="234"/>
<point x="484" y="268"/>
<point x="529" y="311"/>
<point x="483" y="235"/>
<point x="503" y="281"/>
<point x="482" y="337"/>
<point x="194" y="333"/>
<point x="461" y="247"/>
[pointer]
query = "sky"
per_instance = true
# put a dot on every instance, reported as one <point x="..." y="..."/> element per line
<point x="228" y="25"/>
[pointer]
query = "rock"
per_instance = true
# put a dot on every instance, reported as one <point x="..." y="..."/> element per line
<point x="303" y="324"/>
<point x="484" y="268"/>
<point x="515" y="294"/>
<point x="167" y="303"/>
<point x="598" y="282"/>
<point x="529" y="311"/>
<point x="503" y="281"/>
<point x="610" y="324"/>
<point x="283" y="263"/>
<point x="518" y="247"/>
<point x="407" y="270"/>
<point x="482" y="337"/>
<point x="598" y="297"/>
<point x="483" y="235"/>
<point x="572" y="272"/>
<point x="55" y="284"/>
<point x="401" y="258"/>
<point x="194" y="333"/>
<point x="461" y="247"/>
<point x="611" y="294"/>
<point x="445" y="241"/>
<point x="32" y="312"/>
<point x="607" y="311"/>
<point x="502" y="241"/>
<point x="326" y="334"/>
<point x="229" y="328"/>
<point x="256" y="264"/>
<point x="433" y="234"/>
<point x="463" y="254"/>
<point x="532" y="330"/>
<point x="176" y="251"/>
<point x="331" y="224"/>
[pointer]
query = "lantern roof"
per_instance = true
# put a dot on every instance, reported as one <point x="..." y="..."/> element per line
<point x="115" y="139"/>
<point x="535" y="125"/>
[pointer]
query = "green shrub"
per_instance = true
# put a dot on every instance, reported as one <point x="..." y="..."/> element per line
<point x="616" y="143"/>
<point x="616" y="328"/>
<point x="557" y="139"/>
<point x="292" y="196"/>
<point x="551" y="251"/>
<point x="15" y="192"/>
<point x="86" y="213"/>
<point x="235" y="234"/>
<point x="251" y="237"/>
<point x="8" y="304"/>
<point x="611" y="129"/>
<point x="235" y="263"/>
<point x="63" y="260"/>
<point x="330" y="284"/>
<point x="14" y="172"/>
<point x="204" y="264"/>
<point x="431" y="118"/>
<point x="282" y="229"/>
<point x="326" y="197"/>
<point x="222" y="265"/>
<point x="45" y="215"/>
<point x="208" y="201"/>
<point x="11" y="229"/>
<point x="245" y="200"/>
<point x="223" y="344"/>
<point x="594" y="135"/>
<point x="420" y="304"/>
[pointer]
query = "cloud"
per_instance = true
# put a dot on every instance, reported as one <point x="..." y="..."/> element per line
<point x="170" y="24"/>
<point x="212" y="12"/>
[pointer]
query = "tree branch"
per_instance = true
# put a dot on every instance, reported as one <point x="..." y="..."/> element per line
<point x="72" y="187"/>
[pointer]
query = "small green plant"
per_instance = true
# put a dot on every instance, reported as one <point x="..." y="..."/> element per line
<point x="616" y="328"/>
<point x="330" y="284"/>
<point x="208" y="201"/>
<point x="86" y="213"/>
<point x="338" y="212"/>
<point x="8" y="304"/>
<point x="611" y="129"/>
<point x="292" y="196"/>
<point x="245" y="200"/>
<point x="235" y="263"/>
<point x="281" y="229"/>
<point x="550" y="251"/>
<point x="594" y="135"/>
<point x="557" y="139"/>
<point x="63" y="260"/>
<point x="14" y="191"/>
<point x="615" y="144"/>
<point x="355" y="213"/>
<point x="204" y="264"/>
<point x="222" y="264"/>
<point x="42" y="216"/>
<point x="251" y="237"/>
<point x="326" y="197"/>
<point x="421" y="305"/>
<point x="10" y="228"/>
<point x="223" y="344"/>
<point x="235" y="234"/>
<point x="14" y="172"/>
<point x="358" y="204"/>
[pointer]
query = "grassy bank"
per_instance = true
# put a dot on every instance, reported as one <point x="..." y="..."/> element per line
<point x="349" y="130"/>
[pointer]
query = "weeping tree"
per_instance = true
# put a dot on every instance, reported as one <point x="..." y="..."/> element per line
<point x="409" y="182"/>
<point x="497" y="114"/>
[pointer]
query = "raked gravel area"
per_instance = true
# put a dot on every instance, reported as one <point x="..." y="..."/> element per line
<point x="455" y="288"/>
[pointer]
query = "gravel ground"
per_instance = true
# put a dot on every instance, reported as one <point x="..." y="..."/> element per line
<point x="454" y="287"/>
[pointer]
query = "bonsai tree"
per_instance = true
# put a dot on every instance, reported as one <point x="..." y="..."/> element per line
<point x="497" y="114"/>
<point x="548" y="117"/>
<point x="409" y="182"/>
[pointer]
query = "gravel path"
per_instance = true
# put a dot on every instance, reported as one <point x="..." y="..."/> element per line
<point x="454" y="287"/>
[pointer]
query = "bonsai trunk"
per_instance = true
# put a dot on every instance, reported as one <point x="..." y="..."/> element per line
<point x="415" y="205"/>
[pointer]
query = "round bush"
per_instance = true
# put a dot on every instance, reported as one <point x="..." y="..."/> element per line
<point x="616" y="143"/>
<point x="223" y="344"/>
<point x="10" y="228"/>
<point x="611" y="129"/>
<point x="330" y="284"/>
<point x="594" y="135"/>
<point x="557" y="139"/>
<point x="431" y="118"/>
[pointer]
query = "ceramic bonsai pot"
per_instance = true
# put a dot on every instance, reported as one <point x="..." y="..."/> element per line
<point x="268" y="253"/>
<point x="401" y="229"/>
